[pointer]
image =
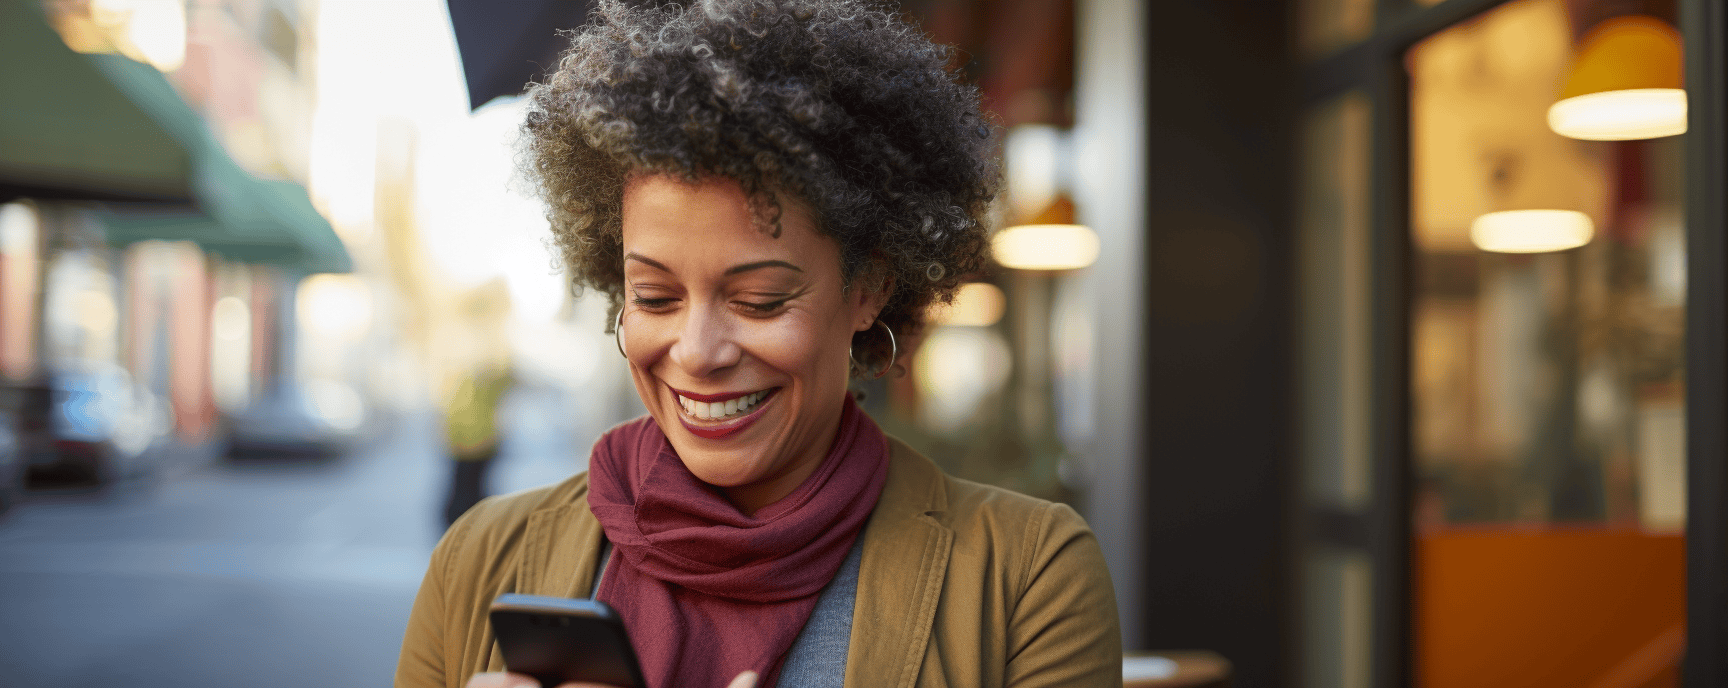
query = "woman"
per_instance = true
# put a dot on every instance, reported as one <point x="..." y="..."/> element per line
<point x="770" y="193"/>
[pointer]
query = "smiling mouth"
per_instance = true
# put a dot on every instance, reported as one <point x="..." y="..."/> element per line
<point x="735" y="407"/>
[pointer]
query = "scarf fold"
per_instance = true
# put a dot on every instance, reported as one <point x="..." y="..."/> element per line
<point x="705" y="591"/>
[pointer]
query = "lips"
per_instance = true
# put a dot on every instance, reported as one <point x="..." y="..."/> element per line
<point x="715" y="416"/>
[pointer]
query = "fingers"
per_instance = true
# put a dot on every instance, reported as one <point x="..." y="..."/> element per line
<point x="743" y="680"/>
<point x="499" y="679"/>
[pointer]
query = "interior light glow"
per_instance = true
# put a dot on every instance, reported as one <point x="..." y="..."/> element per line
<point x="334" y="306"/>
<point x="1642" y="113"/>
<point x="231" y="320"/>
<point x="1033" y="156"/>
<point x="1046" y="247"/>
<point x="159" y="31"/>
<point x="231" y="353"/>
<point x="977" y="304"/>
<point x="155" y="29"/>
<point x="1531" y="231"/>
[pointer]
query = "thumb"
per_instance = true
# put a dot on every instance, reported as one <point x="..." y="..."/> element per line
<point x="747" y="679"/>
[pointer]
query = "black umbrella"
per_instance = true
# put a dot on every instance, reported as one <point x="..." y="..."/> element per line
<point x="505" y="45"/>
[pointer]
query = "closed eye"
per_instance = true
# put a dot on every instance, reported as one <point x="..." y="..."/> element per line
<point x="652" y="304"/>
<point x="763" y="308"/>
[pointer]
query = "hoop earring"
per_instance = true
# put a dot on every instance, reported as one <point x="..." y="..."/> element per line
<point x="618" y="333"/>
<point x="894" y="352"/>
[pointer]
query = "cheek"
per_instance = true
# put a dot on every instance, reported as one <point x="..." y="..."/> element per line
<point x="810" y="347"/>
<point x="800" y="349"/>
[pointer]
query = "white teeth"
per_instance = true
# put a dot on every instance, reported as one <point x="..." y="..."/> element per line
<point x="720" y="409"/>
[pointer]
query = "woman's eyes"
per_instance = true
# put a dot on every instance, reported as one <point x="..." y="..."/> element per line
<point x="751" y="307"/>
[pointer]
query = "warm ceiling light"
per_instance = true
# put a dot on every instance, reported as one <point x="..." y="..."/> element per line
<point x="1531" y="231"/>
<point x="1046" y="247"/>
<point x="977" y="304"/>
<point x="1626" y="84"/>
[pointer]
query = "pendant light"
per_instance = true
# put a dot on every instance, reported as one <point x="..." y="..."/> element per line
<point x="1049" y="241"/>
<point x="1531" y="231"/>
<point x="1626" y="84"/>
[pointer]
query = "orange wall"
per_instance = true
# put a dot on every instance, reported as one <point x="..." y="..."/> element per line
<point x="1585" y="607"/>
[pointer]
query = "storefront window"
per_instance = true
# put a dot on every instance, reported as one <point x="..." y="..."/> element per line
<point x="1547" y="339"/>
<point x="1547" y="384"/>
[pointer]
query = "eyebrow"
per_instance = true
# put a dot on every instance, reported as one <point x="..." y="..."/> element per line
<point x="657" y="265"/>
<point x="736" y="269"/>
<point x="758" y="265"/>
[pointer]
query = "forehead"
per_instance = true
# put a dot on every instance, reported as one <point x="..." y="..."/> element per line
<point x="709" y="224"/>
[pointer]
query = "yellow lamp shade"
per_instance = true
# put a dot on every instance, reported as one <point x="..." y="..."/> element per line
<point x="1626" y="84"/>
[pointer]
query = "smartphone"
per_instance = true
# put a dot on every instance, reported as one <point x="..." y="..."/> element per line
<point x="558" y="640"/>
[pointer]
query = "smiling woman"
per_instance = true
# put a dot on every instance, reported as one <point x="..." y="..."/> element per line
<point x="770" y="194"/>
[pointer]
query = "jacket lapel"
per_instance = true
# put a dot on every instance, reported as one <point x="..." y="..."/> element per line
<point x="561" y="550"/>
<point x="906" y="549"/>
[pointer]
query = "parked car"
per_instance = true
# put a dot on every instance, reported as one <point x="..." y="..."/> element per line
<point x="315" y="419"/>
<point x="87" y="423"/>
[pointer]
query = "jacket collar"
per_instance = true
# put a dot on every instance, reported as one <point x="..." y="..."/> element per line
<point x="561" y="544"/>
<point x="906" y="547"/>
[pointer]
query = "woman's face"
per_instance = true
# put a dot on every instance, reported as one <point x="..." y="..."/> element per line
<point x="738" y="341"/>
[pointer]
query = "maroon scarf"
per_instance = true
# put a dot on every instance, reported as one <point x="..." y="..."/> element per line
<point x="705" y="591"/>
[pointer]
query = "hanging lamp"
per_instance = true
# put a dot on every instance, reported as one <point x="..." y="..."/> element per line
<point x="1049" y="241"/>
<point x="1531" y="231"/>
<point x="1626" y="84"/>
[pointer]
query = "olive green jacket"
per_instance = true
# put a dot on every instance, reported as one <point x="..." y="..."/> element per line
<point x="961" y="585"/>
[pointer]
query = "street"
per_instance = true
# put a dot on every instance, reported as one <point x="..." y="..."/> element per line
<point x="263" y="575"/>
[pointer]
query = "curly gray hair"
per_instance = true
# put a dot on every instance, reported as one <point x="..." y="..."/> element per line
<point x="836" y="102"/>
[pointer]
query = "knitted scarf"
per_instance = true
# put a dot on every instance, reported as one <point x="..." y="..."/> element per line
<point x="705" y="591"/>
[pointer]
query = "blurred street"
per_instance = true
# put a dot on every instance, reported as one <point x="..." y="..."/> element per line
<point x="243" y="574"/>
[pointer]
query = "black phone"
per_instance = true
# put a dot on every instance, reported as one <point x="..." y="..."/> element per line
<point x="557" y="640"/>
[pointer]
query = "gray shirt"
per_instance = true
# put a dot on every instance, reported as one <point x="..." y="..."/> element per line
<point x="817" y="658"/>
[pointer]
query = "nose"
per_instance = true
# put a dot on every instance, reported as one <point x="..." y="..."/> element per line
<point x="705" y="343"/>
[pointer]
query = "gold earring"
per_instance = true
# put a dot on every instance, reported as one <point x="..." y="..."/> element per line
<point x="894" y="355"/>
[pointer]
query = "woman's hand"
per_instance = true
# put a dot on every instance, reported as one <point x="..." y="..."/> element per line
<point x="499" y="679"/>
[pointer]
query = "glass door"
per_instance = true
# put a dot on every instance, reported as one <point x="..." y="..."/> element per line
<point x="1513" y="356"/>
<point x="1547" y="356"/>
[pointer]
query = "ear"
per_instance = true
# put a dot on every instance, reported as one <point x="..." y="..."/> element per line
<point x="870" y="292"/>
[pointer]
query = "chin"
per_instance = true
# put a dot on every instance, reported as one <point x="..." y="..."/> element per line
<point x="721" y="468"/>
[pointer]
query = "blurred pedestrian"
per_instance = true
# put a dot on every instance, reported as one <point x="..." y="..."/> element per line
<point x="471" y="432"/>
<point x="477" y="357"/>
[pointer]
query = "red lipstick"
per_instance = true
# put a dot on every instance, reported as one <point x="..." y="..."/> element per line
<point x="729" y="427"/>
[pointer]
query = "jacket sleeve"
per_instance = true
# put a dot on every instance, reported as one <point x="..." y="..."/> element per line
<point x="1064" y="630"/>
<point x="421" y="664"/>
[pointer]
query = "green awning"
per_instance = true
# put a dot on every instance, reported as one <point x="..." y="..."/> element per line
<point x="250" y="220"/>
<point x="246" y="219"/>
<point x="67" y="129"/>
<point x="104" y="126"/>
